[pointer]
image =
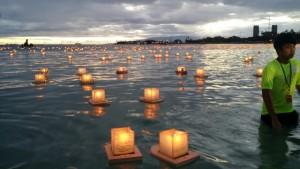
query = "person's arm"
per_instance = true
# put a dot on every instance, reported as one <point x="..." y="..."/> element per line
<point x="267" y="97"/>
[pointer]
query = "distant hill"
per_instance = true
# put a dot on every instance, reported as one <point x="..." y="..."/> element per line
<point x="171" y="38"/>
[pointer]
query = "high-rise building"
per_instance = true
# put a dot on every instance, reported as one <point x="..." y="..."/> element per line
<point x="255" y="31"/>
<point x="274" y="30"/>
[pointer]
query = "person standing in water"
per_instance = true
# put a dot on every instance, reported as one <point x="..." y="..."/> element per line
<point x="281" y="77"/>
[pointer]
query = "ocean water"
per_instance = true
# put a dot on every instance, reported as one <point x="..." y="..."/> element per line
<point x="53" y="126"/>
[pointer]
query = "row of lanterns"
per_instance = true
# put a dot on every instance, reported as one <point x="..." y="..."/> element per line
<point x="173" y="147"/>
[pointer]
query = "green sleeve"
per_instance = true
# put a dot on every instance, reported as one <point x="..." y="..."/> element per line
<point x="267" y="78"/>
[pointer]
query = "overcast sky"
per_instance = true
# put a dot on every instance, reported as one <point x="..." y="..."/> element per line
<point x="132" y="19"/>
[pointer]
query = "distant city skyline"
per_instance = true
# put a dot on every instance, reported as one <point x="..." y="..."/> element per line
<point x="105" y="21"/>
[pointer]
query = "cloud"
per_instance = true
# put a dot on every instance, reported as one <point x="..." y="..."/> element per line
<point x="143" y="18"/>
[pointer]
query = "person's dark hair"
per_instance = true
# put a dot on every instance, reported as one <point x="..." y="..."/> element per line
<point x="282" y="39"/>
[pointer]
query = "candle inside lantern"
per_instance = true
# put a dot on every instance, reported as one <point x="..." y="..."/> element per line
<point x="86" y="78"/>
<point x="173" y="143"/>
<point x="81" y="70"/>
<point x="259" y="72"/>
<point x="40" y="78"/>
<point x="98" y="95"/>
<point x="151" y="94"/>
<point x="200" y="72"/>
<point x="122" y="141"/>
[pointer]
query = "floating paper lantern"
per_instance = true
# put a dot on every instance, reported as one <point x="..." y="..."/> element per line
<point x="40" y="78"/>
<point x="248" y="59"/>
<point x="151" y="95"/>
<point x="181" y="70"/>
<point x="70" y="57"/>
<point x="122" y="70"/>
<point x="129" y="58"/>
<point x="122" y="141"/>
<point x="259" y="72"/>
<point x="98" y="97"/>
<point x="189" y="57"/>
<point x="86" y="79"/>
<point x="103" y="58"/>
<point x="81" y="71"/>
<point x="142" y="57"/>
<point x="44" y="70"/>
<point x="200" y="73"/>
<point x="173" y="143"/>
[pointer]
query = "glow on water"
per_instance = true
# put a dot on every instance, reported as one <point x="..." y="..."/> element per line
<point x="53" y="126"/>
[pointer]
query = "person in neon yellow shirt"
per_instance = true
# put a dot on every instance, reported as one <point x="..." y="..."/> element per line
<point x="280" y="79"/>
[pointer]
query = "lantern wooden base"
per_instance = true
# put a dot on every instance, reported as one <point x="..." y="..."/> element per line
<point x="79" y="74"/>
<point x="121" y="72"/>
<point x="142" y="99"/>
<point x="105" y="103"/>
<point x="87" y="83"/>
<point x="191" y="156"/>
<point x="181" y="72"/>
<point x="257" y="75"/>
<point x="136" y="156"/>
<point x="39" y="83"/>
<point x="201" y="77"/>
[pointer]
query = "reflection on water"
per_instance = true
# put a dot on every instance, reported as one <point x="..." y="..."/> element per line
<point x="151" y="111"/>
<point x="274" y="148"/>
<point x="54" y="126"/>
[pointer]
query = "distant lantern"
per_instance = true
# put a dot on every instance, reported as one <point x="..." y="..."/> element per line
<point x="151" y="95"/>
<point x="122" y="141"/>
<point x="189" y="57"/>
<point x="70" y="57"/>
<point x="98" y="97"/>
<point x="40" y="78"/>
<point x="259" y="72"/>
<point x="173" y="143"/>
<point x="181" y="70"/>
<point x="44" y="70"/>
<point x="248" y="59"/>
<point x="103" y="58"/>
<point x="122" y="70"/>
<point x="142" y="57"/>
<point x="86" y="79"/>
<point x="177" y="54"/>
<point x="129" y="58"/>
<point x="81" y="71"/>
<point x="200" y="73"/>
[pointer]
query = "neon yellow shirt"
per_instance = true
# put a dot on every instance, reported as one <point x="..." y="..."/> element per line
<point x="273" y="78"/>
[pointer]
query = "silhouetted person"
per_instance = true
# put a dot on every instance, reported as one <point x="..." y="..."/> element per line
<point x="25" y="45"/>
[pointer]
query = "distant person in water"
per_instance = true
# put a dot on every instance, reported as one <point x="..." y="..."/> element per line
<point x="281" y="77"/>
<point x="25" y="45"/>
